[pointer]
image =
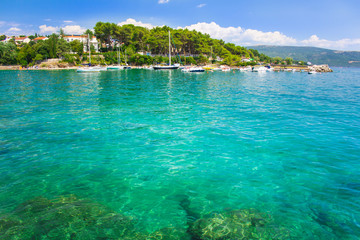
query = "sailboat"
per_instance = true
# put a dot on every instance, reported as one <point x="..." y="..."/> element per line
<point x="126" y="65"/>
<point x="167" y="67"/>
<point x="118" y="67"/>
<point x="90" y="69"/>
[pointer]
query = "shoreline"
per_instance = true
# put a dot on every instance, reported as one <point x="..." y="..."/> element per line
<point x="276" y="68"/>
<point x="17" y="67"/>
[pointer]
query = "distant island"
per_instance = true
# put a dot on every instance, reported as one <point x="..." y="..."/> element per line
<point x="312" y="54"/>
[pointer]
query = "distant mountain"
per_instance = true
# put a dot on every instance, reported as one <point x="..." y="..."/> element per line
<point x="312" y="54"/>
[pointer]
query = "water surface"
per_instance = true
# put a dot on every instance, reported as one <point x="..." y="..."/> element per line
<point x="142" y="142"/>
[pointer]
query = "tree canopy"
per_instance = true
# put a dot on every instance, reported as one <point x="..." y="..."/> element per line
<point x="192" y="46"/>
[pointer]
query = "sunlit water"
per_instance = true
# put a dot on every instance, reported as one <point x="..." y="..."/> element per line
<point x="140" y="142"/>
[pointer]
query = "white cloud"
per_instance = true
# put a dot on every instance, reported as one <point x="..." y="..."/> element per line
<point x="70" y="29"/>
<point x="242" y="36"/>
<point x="14" y="29"/>
<point x="68" y="21"/>
<point x="163" y="1"/>
<point x="48" y="29"/>
<point x="342" y="44"/>
<point x="201" y="5"/>
<point x="74" y="29"/>
<point x="136" y="23"/>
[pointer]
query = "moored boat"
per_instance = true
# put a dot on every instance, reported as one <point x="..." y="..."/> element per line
<point x="193" y="69"/>
<point x="167" y="67"/>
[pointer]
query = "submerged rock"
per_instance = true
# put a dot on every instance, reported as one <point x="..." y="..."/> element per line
<point x="66" y="218"/>
<point x="169" y="234"/>
<point x="237" y="224"/>
<point x="69" y="217"/>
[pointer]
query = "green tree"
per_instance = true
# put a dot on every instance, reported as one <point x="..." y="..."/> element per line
<point x="62" y="47"/>
<point x="277" y="60"/>
<point x="61" y="33"/>
<point x="77" y="47"/>
<point x="2" y="37"/>
<point x="104" y="32"/>
<point x="26" y="55"/>
<point x="38" y="57"/>
<point x="8" y="53"/>
<point x="52" y="45"/>
<point x="289" y="61"/>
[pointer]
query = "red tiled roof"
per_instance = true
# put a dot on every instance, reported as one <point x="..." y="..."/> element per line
<point x="19" y="38"/>
<point x="39" y="38"/>
<point x="82" y="36"/>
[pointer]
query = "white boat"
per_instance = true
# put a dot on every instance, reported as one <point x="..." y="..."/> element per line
<point x="149" y="68"/>
<point x="193" y="69"/>
<point x="225" y="68"/>
<point x="118" y="67"/>
<point x="217" y="69"/>
<point x="90" y="69"/>
<point x="167" y="67"/>
<point x="312" y="72"/>
<point x="115" y="67"/>
<point x="246" y="69"/>
<point x="259" y="69"/>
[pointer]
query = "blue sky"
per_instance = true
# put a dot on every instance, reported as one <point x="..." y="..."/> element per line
<point x="330" y="24"/>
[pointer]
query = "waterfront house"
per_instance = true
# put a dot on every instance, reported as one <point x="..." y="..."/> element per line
<point x="7" y="39"/>
<point x="19" y="40"/>
<point x="83" y="39"/>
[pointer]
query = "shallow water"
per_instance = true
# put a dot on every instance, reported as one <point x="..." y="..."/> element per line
<point x="144" y="142"/>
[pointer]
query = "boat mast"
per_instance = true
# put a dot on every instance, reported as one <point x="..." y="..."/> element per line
<point x="125" y="57"/>
<point x="118" y="53"/>
<point x="169" y="50"/>
<point x="89" y="50"/>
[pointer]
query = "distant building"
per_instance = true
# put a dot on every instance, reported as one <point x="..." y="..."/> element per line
<point x="84" y="40"/>
<point x="219" y="59"/>
<point x="145" y="53"/>
<point x="40" y="38"/>
<point x="245" y="60"/>
<point x="19" y="40"/>
<point x="7" y="39"/>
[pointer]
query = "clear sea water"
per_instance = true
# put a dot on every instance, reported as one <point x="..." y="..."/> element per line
<point x="140" y="142"/>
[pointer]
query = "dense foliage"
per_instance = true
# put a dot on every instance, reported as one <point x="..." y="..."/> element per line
<point x="186" y="43"/>
<point x="137" y="46"/>
<point x="28" y="54"/>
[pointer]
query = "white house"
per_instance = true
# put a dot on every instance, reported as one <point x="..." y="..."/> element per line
<point x="84" y="40"/>
<point x="19" y="40"/>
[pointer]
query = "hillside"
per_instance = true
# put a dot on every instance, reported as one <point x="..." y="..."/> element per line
<point x="312" y="54"/>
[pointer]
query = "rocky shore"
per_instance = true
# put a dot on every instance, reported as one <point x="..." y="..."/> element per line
<point x="320" y="68"/>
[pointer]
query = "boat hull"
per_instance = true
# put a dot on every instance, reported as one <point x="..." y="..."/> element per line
<point x="165" y="67"/>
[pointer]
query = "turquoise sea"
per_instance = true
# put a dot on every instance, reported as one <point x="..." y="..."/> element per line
<point x="165" y="149"/>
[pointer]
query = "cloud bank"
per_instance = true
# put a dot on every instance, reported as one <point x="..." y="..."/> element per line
<point x="136" y="23"/>
<point x="233" y="34"/>
<point x="248" y="37"/>
<point x="70" y="29"/>
<point x="14" y="29"/>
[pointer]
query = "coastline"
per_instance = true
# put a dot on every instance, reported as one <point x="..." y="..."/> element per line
<point x="17" y="67"/>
